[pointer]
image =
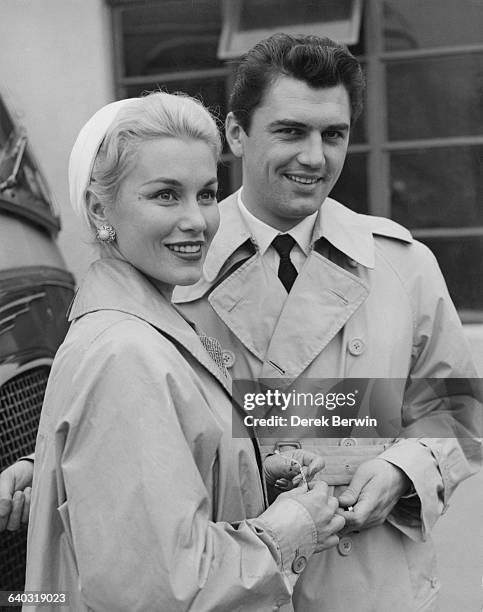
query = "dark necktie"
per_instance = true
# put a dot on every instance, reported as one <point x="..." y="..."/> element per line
<point x="287" y="272"/>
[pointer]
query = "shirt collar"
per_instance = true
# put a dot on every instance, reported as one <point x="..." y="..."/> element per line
<point x="263" y="234"/>
<point x="350" y="232"/>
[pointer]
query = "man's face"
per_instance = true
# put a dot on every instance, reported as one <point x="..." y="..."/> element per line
<point x="294" y="152"/>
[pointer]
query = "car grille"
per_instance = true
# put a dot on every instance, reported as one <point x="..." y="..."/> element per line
<point x="20" y="404"/>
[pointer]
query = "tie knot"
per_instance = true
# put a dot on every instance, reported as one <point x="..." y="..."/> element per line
<point x="283" y="244"/>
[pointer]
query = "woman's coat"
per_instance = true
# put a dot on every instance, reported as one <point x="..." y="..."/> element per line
<point x="140" y="494"/>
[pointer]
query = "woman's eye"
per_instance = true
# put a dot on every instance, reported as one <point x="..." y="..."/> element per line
<point x="165" y="196"/>
<point x="208" y="196"/>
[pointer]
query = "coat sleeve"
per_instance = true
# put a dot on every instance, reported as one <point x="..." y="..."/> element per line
<point x="442" y="408"/>
<point x="138" y="509"/>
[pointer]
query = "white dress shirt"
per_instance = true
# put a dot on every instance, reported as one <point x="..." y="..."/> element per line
<point x="263" y="235"/>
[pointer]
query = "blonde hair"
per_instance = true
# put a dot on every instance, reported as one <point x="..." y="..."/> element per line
<point x="155" y="115"/>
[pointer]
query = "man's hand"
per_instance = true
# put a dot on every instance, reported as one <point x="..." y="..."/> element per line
<point x="282" y="470"/>
<point x="372" y="493"/>
<point x="322" y="507"/>
<point x="15" y="483"/>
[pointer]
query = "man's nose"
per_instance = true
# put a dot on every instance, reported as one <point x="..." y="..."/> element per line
<point x="192" y="219"/>
<point x="312" y="153"/>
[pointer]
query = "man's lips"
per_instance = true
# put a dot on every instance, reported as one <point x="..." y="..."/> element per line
<point x="303" y="179"/>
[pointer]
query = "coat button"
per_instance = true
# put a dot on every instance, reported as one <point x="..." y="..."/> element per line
<point x="356" y="346"/>
<point x="347" y="442"/>
<point x="299" y="564"/>
<point x="434" y="583"/>
<point x="228" y="358"/>
<point x="345" y="546"/>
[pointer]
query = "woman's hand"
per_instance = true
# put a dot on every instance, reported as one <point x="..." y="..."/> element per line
<point x="284" y="470"/>
<point x="15" y="489"/>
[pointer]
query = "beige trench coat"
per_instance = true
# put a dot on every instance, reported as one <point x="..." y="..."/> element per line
<point x="140" y="493"/>
<point x="369" y="302"/>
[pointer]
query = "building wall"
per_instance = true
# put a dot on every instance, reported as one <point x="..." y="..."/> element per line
<point x="56" y="71"/>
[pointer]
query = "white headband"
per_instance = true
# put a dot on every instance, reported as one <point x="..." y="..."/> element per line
<point x="85" y="150"/>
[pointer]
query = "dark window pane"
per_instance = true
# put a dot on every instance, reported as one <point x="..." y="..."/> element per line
<point x="212" y="92"/>
<point x="435" y="97"/>
<point x="413" y="24"/>
<point x="351" y="188"/>
<point x="171" y="36"/>
<point x="225" y="186"/>
<point x="461" y="261"/>
<point x="438" y="187"/>
<point x="280" y="13"/>
<point x="358" y="130"/>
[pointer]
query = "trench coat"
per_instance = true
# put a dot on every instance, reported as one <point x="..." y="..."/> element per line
<point x="369" y="302"/>
<point x="141" y="498"/>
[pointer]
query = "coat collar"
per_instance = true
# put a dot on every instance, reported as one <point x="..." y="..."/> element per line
<point x="350" y="232"/>
<point x="112" y="284"/>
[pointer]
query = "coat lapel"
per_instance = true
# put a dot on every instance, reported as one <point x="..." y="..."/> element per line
<point x="242" y="301"/>
<point x="311" y="318"/>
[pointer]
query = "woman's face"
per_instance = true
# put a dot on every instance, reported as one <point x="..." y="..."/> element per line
<point x="166" y="211"/>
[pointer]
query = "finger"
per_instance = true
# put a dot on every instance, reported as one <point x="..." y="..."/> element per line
<point x="333" y="504"/>
<point x="318" y="485"/>
<point x="5" y="509"/>
<point x="329" y="542"/>
<point x="350" y="496"/>
<point x="7" y="483"/>
<point x="337" y="523"/>
<point x="17" y="508"/>
<point x="315" y="466"/>
<point x="283" y="484"/>
<point x="26" y="506"/>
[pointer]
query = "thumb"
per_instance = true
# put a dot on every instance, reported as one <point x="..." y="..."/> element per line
<point x="350" y="496"/>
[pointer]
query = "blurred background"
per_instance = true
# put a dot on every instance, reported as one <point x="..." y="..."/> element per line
<point x="416" y="156"/>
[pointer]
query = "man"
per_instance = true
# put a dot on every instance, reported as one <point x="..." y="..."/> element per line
<point x="350" y="296"/>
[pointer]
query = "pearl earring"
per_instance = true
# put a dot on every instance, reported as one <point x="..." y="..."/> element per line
<point x="106" y="233"/>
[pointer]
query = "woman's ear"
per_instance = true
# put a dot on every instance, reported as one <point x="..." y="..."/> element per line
<point x="95" y="210"/>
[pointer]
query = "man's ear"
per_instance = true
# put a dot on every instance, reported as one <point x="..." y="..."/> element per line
<point x="95" y="210"/>
<point x="235" y="135"/>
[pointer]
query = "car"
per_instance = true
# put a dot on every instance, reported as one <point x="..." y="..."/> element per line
<point x="35" y="292"/>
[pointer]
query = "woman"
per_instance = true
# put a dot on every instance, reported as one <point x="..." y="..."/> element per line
<point x="141" y="499"/>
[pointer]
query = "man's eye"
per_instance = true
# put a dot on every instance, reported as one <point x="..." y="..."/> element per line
<point x="207" y="196"/>
<point x="333" y="135"/>
<point x="289" y="131"/>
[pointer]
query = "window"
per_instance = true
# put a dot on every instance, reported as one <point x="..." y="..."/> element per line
<point x="416" y="154"/>
<point x="247" y="21"/>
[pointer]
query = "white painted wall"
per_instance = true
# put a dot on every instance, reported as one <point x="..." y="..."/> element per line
<point x="55" y="72"/>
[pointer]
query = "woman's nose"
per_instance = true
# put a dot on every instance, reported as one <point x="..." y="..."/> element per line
<point x="192" y="219"/>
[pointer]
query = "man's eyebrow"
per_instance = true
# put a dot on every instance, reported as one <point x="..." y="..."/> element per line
<point x="343" y="127"/>
<point x="338" y="126"/>
<point x="287" y="123"/>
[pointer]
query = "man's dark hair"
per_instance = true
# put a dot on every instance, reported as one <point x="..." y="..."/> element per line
<point x="320" y="62"/>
